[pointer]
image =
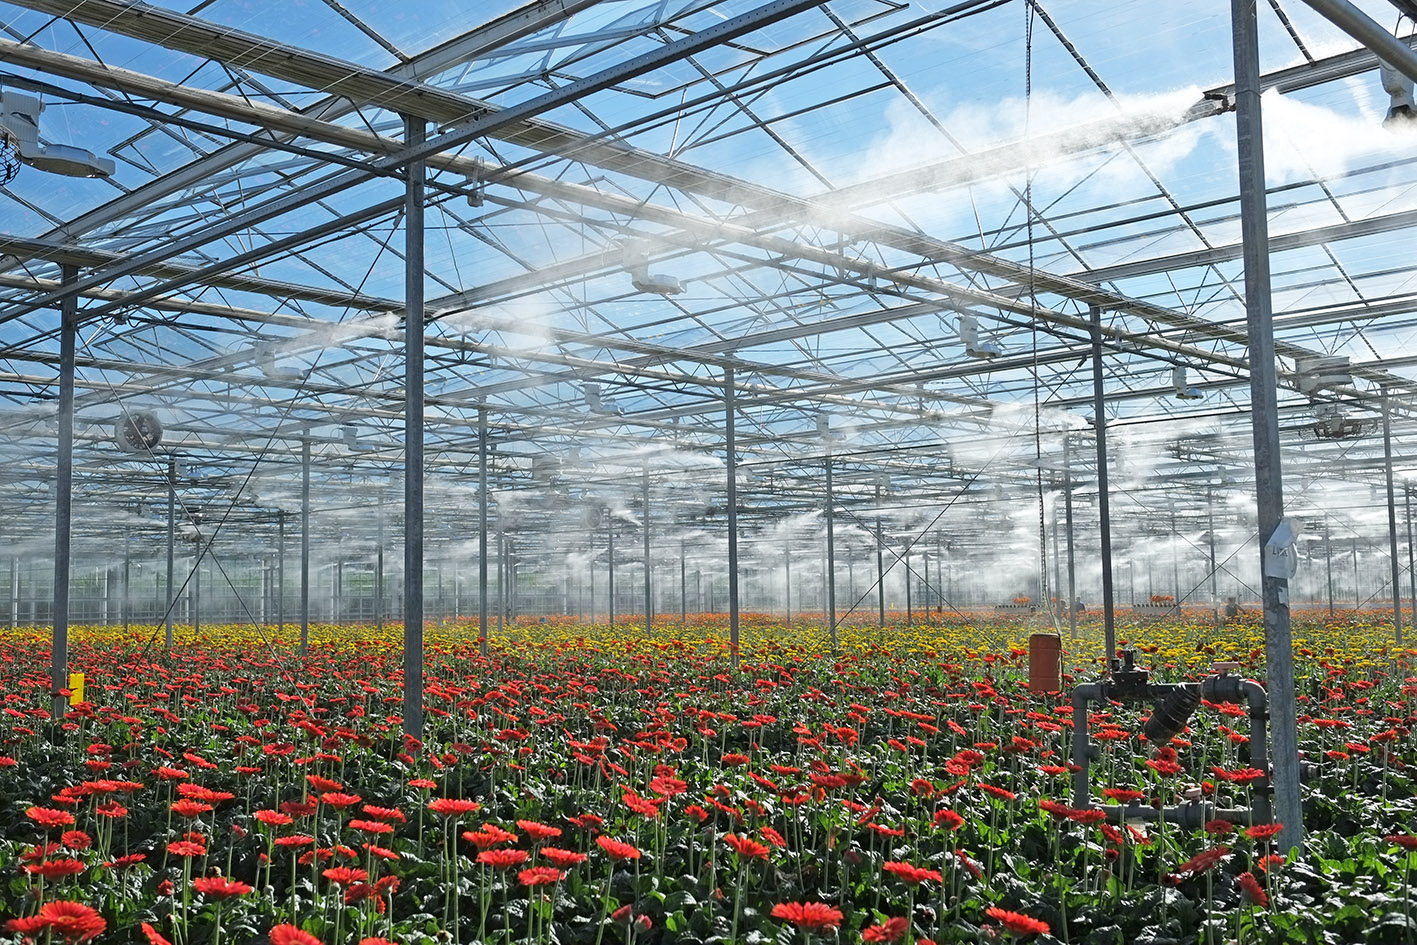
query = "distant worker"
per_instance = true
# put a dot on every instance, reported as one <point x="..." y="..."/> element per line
<point x="1079" y="607"/>
<point x="1232" y="609"/>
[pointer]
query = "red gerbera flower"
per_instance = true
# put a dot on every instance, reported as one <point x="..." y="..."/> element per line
<point x="616" y="849"/>
<point x="812" y="916"/>
<point x="188" y="807"/>
<point x="539" y="831"/>
<point x="539" y="875"/>
<point x="746" y="847"/>
<point x="1204" y="861"/>
<point x="219" y="887"/>
<point x="998" y="791"/>
<point x="503" y="859"/>
<point x="1253" y="890"/>
<point x="1406" y="841"/>
<point x="888" y="931"/>
<point x="71" y="921"/>
<point x="49" y="817"/>
<point x="154" y="936"/>
<point x="911" y="873"/>
<point x="453" y="806"/>
<point x="562" y="858"/>
<point x="273" y="818"/>
<point x="284" y="934"/>
<point x="344" y="875"/>
<point x="1263" y="831"/>
<point x="1017" y="922"/>
<point x="339" y="801"/>
<point x="56" y="869"/>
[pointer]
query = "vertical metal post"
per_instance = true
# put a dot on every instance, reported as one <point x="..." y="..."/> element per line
<point x="305" y="543"/>
<point x="1328" y="563"/>
<point x="63" y="490"/>
<point x="649" y="567"/>
<point x="880" y="563"/>
<point x="730" y="408"/>
<point x="909" y="613"/>
<point x="379" y="567"/>
<point x="501" y="574"/>
<point x="1210" y="533"/>
<point x="831" y="555"/>
<point x="1411" y="570"/>
<point x="482" y="530"/>
<point x="925" y="559"/>
<point x="787" y="577"/>
<point x="1175" y="561"/>
<point x="280" y="571"/>
<point x="683" y="587"/>
<point x="14" y="591"/>
<point x="172" y="541"/>
<point x="414" y="133"/>
<point x="1392" y="520"/>
<point x="1269" y="486"/>
<point x="1104" y="511"/>
<point x="197" y="591"/>
<point x="1068" y="529"/>
<point x="125" y="600"/>
<point x="610" y="557"/>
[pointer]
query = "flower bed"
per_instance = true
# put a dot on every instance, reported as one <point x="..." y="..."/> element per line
<point x="586" y="786"/>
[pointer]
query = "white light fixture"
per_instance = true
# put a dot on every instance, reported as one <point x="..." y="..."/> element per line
<point x="974" y="345"/>
<point x="636" y="260"/>
<point x="20" y="120"/>
<point x="351" y="438"/>
<point x="1183" y="389"/>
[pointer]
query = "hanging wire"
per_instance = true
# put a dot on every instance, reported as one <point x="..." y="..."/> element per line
<point x="1044" y="585"/>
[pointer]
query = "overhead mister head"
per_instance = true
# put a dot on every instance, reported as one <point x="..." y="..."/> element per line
<point x="1182" y="388"/>
<point x="1401" y="113"/>
<point x="19" y="117"/>
<point x="975" y="346"/>
<point x="636" y="259"/>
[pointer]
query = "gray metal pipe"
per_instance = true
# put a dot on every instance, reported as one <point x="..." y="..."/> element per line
<point x="305" y="543"/>
<point x="1392" y="519"/>
<point x="482" y="532"/>
<point x="1264" y="412"/>
<point x="415" y="132"/>
<point x="1083" y="696"/>
<point x="64" y="490"/>
<point x="1370" y="33"/>
<point x="831" y="554"/>
<point x="731" y="450"/>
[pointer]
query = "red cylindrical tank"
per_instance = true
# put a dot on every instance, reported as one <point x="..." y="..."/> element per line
<point x="1045" y="662"/>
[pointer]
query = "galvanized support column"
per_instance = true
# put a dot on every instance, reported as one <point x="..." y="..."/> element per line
<point x="683" y="587"/>
<point x="1210" y="535"/>
<point x="1328" y="563"/>
<point x="482" y="530"/>
<point x="379" y="567"/>
<point x="14" y="591"/>
<point x="831" y="555"/>
<point x="909" y="613"/>
<point x="197" y="591"/>
<point x="730" y="407"/>
<point x="280" y="571"/>
<point x="1104" y="511"/>
<point x="125" y="601"/>
<point x="64" y="490"/>
<point x="880" y="563"/>
<point x="501" y="574"/>
<point x="1392" y="520"/>
<point x="925" y="559"/>
<point x="649" y="567"/>
<point x="413" y="136"/>
<point x="610" y="556"/>
<point x="787" y="577"/>
<point x="305" y="543"/>
<point x="1411" y="570"/>
<point x="1269" y="485"/>
<point x="1068" y="533"/>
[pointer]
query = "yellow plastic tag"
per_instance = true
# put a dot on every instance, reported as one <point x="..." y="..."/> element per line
<point x="76" y="688"/>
